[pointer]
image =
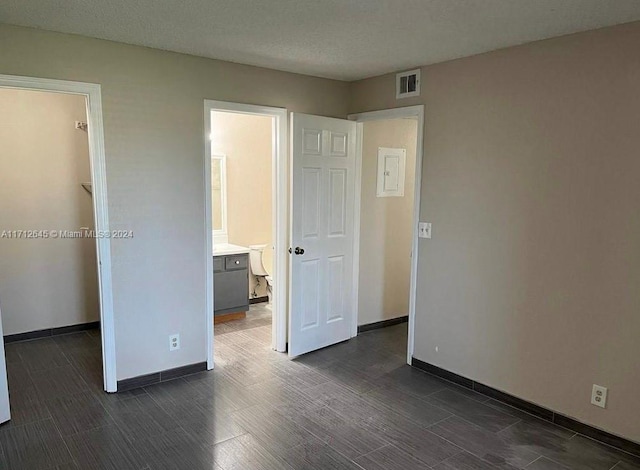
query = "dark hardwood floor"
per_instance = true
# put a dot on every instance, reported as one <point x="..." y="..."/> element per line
<point x="356" y="405"/>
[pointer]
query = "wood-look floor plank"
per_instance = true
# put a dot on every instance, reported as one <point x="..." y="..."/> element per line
<point x="390" y="458"/>
<point x="352" y="405"/>
<point x="33" y="446"/>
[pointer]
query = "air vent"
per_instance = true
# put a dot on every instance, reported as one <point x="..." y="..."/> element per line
<point x="408" y="84"/>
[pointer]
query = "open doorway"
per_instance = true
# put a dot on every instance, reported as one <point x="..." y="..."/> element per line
<point x="91" y="94"/>
<point x="242" y="215"/>
<point x="50" y="283"/>
<point x="245" y="172"/>
<point x="388" y="208"/>
<point x="386" y="211"/>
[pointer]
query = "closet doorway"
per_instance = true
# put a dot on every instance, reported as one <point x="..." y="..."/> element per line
<point x="56" y="279"/>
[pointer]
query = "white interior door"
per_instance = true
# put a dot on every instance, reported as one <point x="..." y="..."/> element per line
<point x="321" y="281"/>
<point x="5" y="413"/>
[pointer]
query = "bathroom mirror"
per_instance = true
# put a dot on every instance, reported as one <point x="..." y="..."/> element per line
<point x="219" y="198"/>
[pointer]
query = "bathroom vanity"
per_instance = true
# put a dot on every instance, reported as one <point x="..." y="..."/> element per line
<point x="230" y="282"/>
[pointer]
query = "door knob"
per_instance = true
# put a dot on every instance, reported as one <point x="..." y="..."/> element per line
<point x="299" y="251"/>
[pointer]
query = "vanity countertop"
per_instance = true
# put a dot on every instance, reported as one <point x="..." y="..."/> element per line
<point x="222" y="249"/>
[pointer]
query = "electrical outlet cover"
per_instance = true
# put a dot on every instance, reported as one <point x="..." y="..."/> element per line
<point x="174" y="342"/>
<point x="599" y="396"/>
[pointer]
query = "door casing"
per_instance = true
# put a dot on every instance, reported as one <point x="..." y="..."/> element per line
<point x="93" y="96"/>
<point x="280" y="218"/>
<point x="409" y="112"/>
<point x="5" y="409"/>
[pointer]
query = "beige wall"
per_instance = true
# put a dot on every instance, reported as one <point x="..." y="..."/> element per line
<point x="246" y="141"/>
<point x="385" y="237"/>
<point x="153" y="105"/>
<point x="531" y="281"/>
<point x="45" y="283"/>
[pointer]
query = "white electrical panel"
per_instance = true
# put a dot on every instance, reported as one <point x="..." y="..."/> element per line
<point x="391" y="172"/>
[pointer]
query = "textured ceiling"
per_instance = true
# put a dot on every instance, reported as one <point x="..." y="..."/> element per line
<point x="342" y="39"/>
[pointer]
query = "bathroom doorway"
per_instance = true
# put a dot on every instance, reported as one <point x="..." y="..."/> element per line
<point x="245" y="173"/>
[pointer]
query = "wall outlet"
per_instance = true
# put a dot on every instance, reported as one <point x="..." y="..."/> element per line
<point x="424" y="230"/>
<point x="599" y="396"/>
<point x="174" y="342"/>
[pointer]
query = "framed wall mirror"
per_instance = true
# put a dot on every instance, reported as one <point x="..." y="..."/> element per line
<point x="219" y="198"/>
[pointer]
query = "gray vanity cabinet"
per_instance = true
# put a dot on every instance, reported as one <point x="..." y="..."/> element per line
<point x="230" y="283"/>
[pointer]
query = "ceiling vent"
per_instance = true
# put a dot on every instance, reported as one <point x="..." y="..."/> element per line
<point x="408" y="84"/>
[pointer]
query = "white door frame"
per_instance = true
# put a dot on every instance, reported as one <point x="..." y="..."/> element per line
<point x="280" y="217"/>
<point x="92" y="94"/>
<point x="5" y="408"/>
<point x="411" y="112"/>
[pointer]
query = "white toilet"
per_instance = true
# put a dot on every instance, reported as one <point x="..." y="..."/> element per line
<point x="258" y="269"/>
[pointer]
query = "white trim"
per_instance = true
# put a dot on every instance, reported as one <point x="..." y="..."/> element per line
<point x="91" y="92"/>
<point x="280" y="214"/>
<point x="280" y="230"/>
<point x="5" y="405"/>
<point x="356" y="228"/>
<point x="208" y="238"/>
<point x="415" y="112"/>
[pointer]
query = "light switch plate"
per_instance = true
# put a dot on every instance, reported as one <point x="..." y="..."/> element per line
<point x="424" y="230"/>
